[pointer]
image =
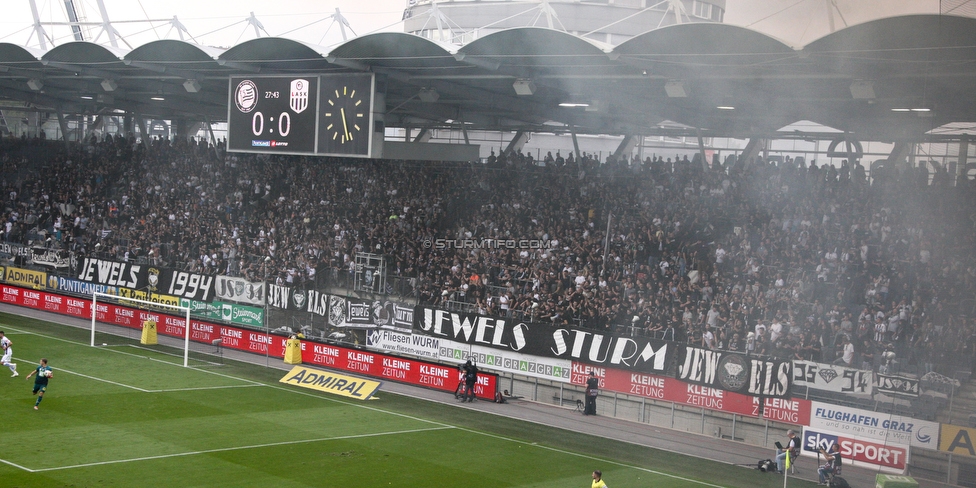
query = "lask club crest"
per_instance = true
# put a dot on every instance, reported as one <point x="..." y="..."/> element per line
<point x="298" y="101"/>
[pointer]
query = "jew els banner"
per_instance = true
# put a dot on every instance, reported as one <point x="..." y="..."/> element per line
<point x="735" y="372"/>
<point x="638" y="354"/>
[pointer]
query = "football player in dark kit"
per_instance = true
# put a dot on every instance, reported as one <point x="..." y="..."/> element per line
<point x="592" y="390"/>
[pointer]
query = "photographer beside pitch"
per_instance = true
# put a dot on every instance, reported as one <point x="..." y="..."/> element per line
<point x="43" y="373"/>
<point x="592" y="391"/>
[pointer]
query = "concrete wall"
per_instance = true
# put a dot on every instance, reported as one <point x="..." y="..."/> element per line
<point x="668" y="415"/>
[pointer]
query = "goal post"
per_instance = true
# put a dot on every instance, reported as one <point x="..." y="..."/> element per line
<point x="178" y="310"/>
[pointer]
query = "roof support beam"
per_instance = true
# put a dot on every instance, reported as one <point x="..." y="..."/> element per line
<point x="701" y="149"/>
<point x="963" y="157"/>
<point x="63" y="124"/>
<point x="423" y="136"/>
<point x="625" y="146"/>
<point x="517" y="142"/>
<point x="575" y="145"/>
<point x="751" y="151"/>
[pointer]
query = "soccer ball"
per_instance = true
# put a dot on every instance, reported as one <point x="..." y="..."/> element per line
<point x="48" y="373"/>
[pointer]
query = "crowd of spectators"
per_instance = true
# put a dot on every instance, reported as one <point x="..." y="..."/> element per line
<point x="787" y="259"/>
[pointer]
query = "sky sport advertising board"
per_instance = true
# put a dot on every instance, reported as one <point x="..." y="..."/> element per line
<point x="857" y="451"/>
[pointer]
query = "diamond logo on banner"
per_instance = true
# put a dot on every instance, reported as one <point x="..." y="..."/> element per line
<point x="828" y="375"/>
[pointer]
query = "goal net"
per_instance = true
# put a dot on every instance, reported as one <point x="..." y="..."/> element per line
<point x="163" y="327"/>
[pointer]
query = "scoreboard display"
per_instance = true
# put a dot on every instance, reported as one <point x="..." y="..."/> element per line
<point x="301" y="114"/>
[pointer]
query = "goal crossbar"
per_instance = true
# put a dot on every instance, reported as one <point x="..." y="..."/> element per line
<point x="121" y="301"/>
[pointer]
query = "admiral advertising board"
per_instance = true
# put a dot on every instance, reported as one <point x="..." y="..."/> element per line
<point x="26" y="277"/>
<point x="829" y="377"/>
<point x="735" y="372"/>
<point x="874" y="426"/>
<point x="958" y="440"/>
<point x="857" y="451"/>
<point x="544" y="340"/>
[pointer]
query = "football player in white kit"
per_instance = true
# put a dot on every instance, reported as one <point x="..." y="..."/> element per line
<point x="8" y="354"/>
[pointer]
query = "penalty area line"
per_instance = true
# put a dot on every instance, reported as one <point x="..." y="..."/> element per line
<point x="95" y="378"/>
<point x="226" y="449"/>
<point x="8" y="463"/>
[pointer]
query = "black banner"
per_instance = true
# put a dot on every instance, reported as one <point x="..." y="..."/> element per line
<point x="350" y="312"/>
<point x="52" y="258"/>
<point x="14" y="250"/>
<point x="544" y="340"/>
<point x="897" y="385"/>
<point x="735" y="372"/>
<point x="183" y="284"/>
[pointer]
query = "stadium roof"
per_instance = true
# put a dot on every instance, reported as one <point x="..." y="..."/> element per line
<point x="888" y="79"/>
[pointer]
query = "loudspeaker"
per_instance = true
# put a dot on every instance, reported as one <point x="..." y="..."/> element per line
<point x="675" y="89"/>
<point x="862" y="90"/>
<point x="523" y="87"/>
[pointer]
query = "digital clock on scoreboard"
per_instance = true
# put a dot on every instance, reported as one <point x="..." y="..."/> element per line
<point x="273" y="114"/>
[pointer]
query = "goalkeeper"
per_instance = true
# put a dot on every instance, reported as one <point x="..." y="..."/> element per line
<point x="44" y="374"/>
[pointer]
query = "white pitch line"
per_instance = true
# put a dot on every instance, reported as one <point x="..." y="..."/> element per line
<point x="203" y="388"/>
<point x="245" y="380"/>
<point x="4" y="461"/>
<point x="62" y="370"/>
<point x="592" y="458"/>
<point x="441" y="424"/>
<point x="239" y="448"/>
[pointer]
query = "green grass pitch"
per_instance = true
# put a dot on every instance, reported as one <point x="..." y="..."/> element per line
<point x="130" y="415"/>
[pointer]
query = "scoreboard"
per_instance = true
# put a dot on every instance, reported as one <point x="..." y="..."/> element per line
<point x="301" y="114"/>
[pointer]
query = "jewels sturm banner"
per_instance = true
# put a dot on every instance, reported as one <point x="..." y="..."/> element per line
<point x="544" y="340"/>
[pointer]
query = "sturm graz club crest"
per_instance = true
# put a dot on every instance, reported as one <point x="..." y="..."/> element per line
<point x="298" y="101"/>
<point x="246" y="96"/>
<point x="337" y="311"/>
<point x="733" y="372"/>
<point x="153" y="279"/>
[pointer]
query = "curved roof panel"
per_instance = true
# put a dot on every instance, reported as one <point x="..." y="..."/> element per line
<point x="705" y="40"/>
<point x="536" y="47"/>
<point x="271" y="49"/>
<point x="680" y="73"/>
<point x="81" y="52"/>
<point x="397" y="50"/>
<point x="12" y="53"/>
<point x="168" y="50"/>
<point x="910" y="37"/>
